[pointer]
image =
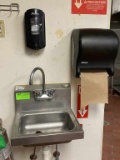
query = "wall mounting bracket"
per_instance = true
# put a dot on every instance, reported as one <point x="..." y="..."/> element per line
<point x="13" y="7"/>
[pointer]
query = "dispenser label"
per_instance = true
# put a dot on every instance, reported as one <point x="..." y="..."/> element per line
<point x="23" y="96"/>
<point x="89" y="6"/>
<point x="81" y="113"/>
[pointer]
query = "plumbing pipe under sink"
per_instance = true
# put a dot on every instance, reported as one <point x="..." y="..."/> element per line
<point x="56" y="154"/>
<point x="46" y="153"/>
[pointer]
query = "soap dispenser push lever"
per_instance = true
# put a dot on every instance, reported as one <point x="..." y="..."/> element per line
<point x="44" y="94"/>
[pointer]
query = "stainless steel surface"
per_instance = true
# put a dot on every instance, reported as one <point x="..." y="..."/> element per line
<point x="43" y="78"/>
<point x="38" y="95"/>
<point x="45" y="122"/>
<point x="117" y="88"/>
<point x="44" y="94"/>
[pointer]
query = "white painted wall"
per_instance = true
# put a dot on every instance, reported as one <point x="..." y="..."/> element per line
<point x="17" y="62"/>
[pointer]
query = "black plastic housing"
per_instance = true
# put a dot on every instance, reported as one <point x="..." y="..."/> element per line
<point x="35" y="29"/>
<point x="94" y="50"/>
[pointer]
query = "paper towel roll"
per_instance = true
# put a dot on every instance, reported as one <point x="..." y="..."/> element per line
<point x="94" y="88"/>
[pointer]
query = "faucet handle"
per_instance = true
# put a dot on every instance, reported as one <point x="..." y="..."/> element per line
<point x="39" y="95"/>
<point x="37" y="92"/>
<point x="51" y="92"/>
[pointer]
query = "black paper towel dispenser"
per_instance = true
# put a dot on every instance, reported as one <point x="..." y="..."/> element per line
<point x="94" y="50"/>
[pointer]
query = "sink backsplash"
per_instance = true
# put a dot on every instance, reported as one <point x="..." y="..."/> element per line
<point x="62" y="98"/>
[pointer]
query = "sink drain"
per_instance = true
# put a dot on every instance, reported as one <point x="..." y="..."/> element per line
<point x="38" y="132"/>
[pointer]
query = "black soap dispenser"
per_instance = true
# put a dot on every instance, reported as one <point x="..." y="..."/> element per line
<point x="35" y="29"/>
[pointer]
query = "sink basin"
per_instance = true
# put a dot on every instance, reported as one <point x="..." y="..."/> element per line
<point x="45" y="123"/>
<point x="45" y="128"/>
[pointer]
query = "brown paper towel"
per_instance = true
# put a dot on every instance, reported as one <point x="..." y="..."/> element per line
<point x="94" y="88"/>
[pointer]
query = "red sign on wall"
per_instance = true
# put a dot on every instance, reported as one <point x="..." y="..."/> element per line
<point x="89" y="6"/>
<point x="81" y="113"/>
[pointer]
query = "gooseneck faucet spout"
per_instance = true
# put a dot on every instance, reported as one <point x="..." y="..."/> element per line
<point x="38" y="93"/>
<point x="43" y="78"/>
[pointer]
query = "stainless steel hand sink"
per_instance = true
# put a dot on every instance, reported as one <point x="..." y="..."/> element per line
<point x="44" y="122"/>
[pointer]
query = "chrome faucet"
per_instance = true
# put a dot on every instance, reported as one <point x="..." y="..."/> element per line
<point x="38" y="94"/>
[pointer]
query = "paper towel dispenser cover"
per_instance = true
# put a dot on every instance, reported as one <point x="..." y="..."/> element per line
<point x="94" y="50"/>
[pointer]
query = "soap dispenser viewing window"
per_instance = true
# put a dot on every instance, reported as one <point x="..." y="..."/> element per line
<point x="35" y="27"/>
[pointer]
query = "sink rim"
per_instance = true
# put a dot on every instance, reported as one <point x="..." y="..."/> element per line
<point x="22" y="114"/>
<point x="23" y="139"/>
<point x="45" y="113"/>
